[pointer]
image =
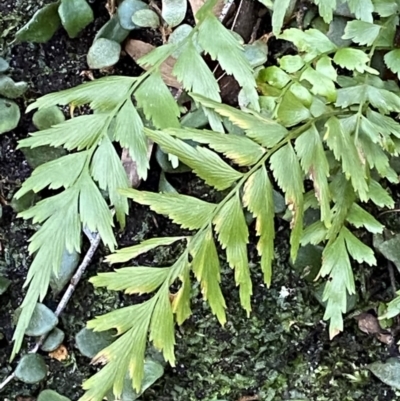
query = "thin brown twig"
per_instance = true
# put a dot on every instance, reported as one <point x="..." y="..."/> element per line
<point x="392" y="278"/>
<point x="94" y="239"/>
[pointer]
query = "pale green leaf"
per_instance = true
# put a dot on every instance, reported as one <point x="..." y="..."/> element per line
<point x="352" y="59"/>
<point x="290" y="179"/>
<point x="75" y="15"/>
<point x="187" y="211"/>
<point x="311" y="41"/>
<point x="61" y="227"/>
<point x="181" y="300"/>
<point x="392" y="61"/>
<point x="291" y="111"/>
<point x="240" y="149"/>
<point x="94" y="212"/>
<point x="314" y="234"/>
<point x="384" y="124"/>
<point x="385" y="8"/>
<point x="131" y="252"/>
<point x="233" y="236"/>
<point x="291" y="63"/>
<point x="336" y="265"/>
<point x="205" y="265"/>
<point x="229" y="53"/>
<point x="384" y="100"/>
<point x="320" y="83"/>
<point x="258" y="198"/>
<point x="100" y="94"/>
<point x="315" y="164"/>
<point x="342" y="145"/>
<point x="107" y="170"/>
<point x="205" y="163"/>
<point x="357" y="250"/>
<point x="274" y="76"/>
<point x="62" y="172"/>
<point x="361" y="32"/>
<point x="278" y="15"/>
<point x="359" y="217"/>
<point x="132" y="280"/>
<point x="362" y="9"/>
<point x="162" y="331"/>
<point x="324" y="67"/>
<point x="379" y="195"/>
<point x="326" y="8"/>
<point x="129" y="133"/>
<point x="351" y="95"/>
<point x="259" y="128"/>
<point x="61" y="230"/>
<point x="157" y="102"/>
<point x="126" y="354"/>
<point x="157" y="55"/>
<point x="203" y="81"/>
<point x="69" y="133"/>
<point x="374" y="155"/>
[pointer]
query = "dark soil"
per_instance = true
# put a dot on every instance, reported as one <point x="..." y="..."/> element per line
<point x="282" y="352"/>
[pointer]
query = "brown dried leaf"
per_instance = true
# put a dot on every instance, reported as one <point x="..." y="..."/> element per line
<point x="61" y="353"/>
<point x="137" y="48"/>
<point x="130" y="166"/>
<point x="368" y="323"/>
<point x="197" y="4"/>
<point x="385" y="338"/>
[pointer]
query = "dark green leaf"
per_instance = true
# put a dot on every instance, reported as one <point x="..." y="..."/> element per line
<point x="75" y="15"/>
<point x="42" y="26"/>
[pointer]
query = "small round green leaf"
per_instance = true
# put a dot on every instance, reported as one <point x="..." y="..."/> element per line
<point x="256" y="53"/>
<point x="126" y="10"/>
<point x="388" y="372"/>
<point x="11" y="89"/>
<point x="90" y="342"/>
<point x="50" y="395"/>
<point x="173" y="11"/>
<point x="24" y="202"/>
<point x="146" y="19"/>
<point x="4" y="66"/>
<point x="42" y="321"/>
<point x="164" y="186"/>
<point x="103" y="53"/>
<point x="9" y="115"/>
<point x="47" y="117"/>
<point x="69" y="262"/>
<point x="31" y="369"/>
<point x="75" y="15"/>
<point x="42" y="154"/>
<point x="179" y="34"/>
<point x="53" y="340"/>
<point x="112" y="30"/>
<point x="42" y="26"/>
<point x="4" y="284"/>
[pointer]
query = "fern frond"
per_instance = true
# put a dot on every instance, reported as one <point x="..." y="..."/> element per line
<point x="233" y="236"/>
<point x="290" y="178"/>
<point x="205" y="163"/>
<point x="258" y="199"/>
<point x="184" y="210"/>
<point x="259" y="128"/>
<point x="101" y="94"/>
<point x="131" y="252"/>
<point x="206" y="268"/>
<point x="240" y="149"/>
